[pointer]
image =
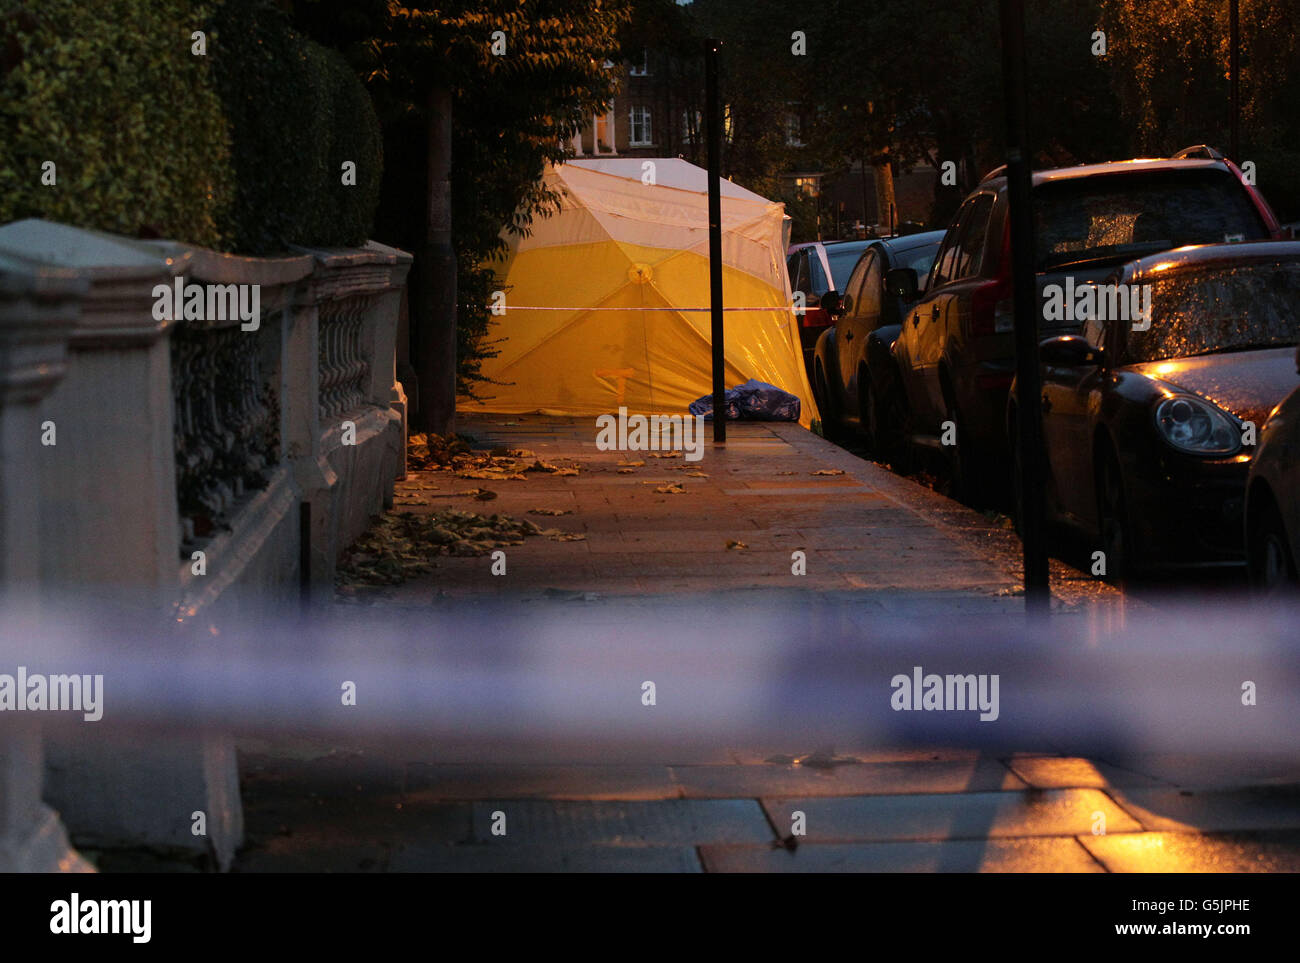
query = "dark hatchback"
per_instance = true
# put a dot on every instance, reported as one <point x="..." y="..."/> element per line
<point x="853" y="373"/>
<point x="1150" y="424"/>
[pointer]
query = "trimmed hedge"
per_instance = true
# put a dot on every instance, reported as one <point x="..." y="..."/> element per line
<point x="239" y="150"/>
<point x="297" y="113"/>
<point x="110" y="92"/>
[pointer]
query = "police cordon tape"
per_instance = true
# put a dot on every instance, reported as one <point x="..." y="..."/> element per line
<point x="568" y="679"/>
<point x="506" y="309"/>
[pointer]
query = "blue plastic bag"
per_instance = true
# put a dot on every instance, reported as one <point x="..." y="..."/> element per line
<point x="753" y="401"/>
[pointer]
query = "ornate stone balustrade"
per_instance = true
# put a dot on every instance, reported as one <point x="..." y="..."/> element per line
<point x="343" y="365"/>
<point x="190" y="431"/>
<point x="227" y="429"/>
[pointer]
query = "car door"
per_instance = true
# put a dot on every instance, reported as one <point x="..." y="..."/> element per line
<point x="928" y="321"/>
<point x="848" y="334"/>
<point x="864" y="315"/>
<point x="1069" y="398"/>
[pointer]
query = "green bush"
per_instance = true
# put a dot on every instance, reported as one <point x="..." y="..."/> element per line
<point x="111" y="93"/>
<point x="297" y="113"/>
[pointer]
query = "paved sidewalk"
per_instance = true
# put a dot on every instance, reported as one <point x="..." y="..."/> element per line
<point x="773" y="487"/>
<point x="886" y="543"/>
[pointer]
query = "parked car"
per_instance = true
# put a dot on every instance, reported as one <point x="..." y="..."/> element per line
<point x="1149" y="425"/>
<point x="955" y="355"/>
<point x="853" y="378"/>
<point x="817" y="267"/>
<point x="1273" y="499"/>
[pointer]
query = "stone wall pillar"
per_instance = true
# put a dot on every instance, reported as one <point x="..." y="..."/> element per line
<point x="37" y="310"/>
<point x="109" y="539"/>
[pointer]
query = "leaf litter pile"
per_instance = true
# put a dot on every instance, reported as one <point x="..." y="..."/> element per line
<point x="401" y="545"/>
<point x="454" y="454"/>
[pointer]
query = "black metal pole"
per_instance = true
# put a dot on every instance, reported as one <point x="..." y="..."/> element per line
<point x="1029" y="423"/>
<point x="715" y="239"/>
<point x="1234" y="79"/>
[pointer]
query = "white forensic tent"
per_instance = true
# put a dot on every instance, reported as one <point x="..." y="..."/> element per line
<point x="597" y="297"/>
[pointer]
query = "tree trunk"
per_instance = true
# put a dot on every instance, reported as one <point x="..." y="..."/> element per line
<point x="436" y="341"/>
<point x="887" y="213"/>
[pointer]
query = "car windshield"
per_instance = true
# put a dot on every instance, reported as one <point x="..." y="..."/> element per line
<point x="842" y="262"/>
<point x="1222" y="309"/>
<point x="1125" y="216"/>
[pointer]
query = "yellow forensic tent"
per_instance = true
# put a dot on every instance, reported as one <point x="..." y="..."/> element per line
<point x="597" y="311"/>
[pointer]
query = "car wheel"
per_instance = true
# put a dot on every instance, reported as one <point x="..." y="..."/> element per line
<point x="831" y="429"/>
<point x="1113" y="521"/>
<point x="964" y="471"/>
<point x="1272" y="569"/>
<point x="899" y="427"/>
<point x="891" y="428"/>
<point x="868" y="414"/>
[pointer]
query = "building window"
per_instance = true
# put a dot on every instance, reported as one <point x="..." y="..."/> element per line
<point x="576" y="144"/>
<point x="640" y="132"/>
<point x="604" y="131"/>
<point x="640" y="68"/>
<point x="807" y="186"/>
<point x="793" y="131"/>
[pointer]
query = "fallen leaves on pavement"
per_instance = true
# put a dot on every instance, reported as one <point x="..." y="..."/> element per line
<point x="400" y="545"/>
<point x="433" y="452"/>
<point x="829" y="471"/>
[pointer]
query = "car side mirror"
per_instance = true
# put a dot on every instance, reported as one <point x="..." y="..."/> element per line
<point x="902" y="283"/>
<point x="1070" y="351"/>
<point x="832" y="304"/>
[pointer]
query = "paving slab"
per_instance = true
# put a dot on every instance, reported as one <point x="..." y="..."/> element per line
<point x="785" y="755"/>
<point x="1055" y="772"/>
<point x="676" y="822"/>
<point x="435" y="781"/>
<point x="1041" y="855"/>
<point x="1201" y="771"/>
<point x="1209" y="810"/>
<point x="489" y="858"/>
<point x="846" y="779"/>
<point x="981" y="815"/>
<point x="1191" y="853"/>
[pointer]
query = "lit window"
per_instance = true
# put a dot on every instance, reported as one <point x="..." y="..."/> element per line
<point x="807" y="186"/>
<point x="640" y="132"/>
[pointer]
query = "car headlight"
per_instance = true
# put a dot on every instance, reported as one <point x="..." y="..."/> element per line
<point x="1196" y="426"/>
